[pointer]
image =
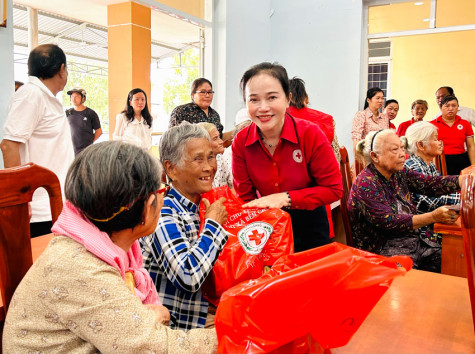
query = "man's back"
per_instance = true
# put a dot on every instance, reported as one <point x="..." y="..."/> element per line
<point x="37" y="121"/>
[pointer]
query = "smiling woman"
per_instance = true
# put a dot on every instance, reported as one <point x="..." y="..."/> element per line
<point x="178" y="256"/>
<point x="287" y="162"/>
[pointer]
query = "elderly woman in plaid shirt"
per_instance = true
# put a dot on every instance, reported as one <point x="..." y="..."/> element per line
<point x="423" y="145"/>
<point x="177" y="255"/>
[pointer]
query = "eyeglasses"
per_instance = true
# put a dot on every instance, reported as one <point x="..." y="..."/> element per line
<point x="205" y="93"/>
<point x="163" y="191"/>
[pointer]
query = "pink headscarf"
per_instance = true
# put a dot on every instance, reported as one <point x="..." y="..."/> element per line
<point x="72" y="223"/>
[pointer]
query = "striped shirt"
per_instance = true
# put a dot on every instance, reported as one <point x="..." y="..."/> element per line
<point x="179" y="259"/>
<point x="423" y="203"/>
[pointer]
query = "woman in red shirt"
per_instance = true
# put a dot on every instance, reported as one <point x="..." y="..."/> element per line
<point x="455" y="132"/>
<point x="418" y="109"/>
<point x="283" y="162"/>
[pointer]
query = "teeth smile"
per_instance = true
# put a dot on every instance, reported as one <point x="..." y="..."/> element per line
<point x="205" y="178"/>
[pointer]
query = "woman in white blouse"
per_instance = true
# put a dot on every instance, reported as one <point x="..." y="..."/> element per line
<point x="134" y="123"/>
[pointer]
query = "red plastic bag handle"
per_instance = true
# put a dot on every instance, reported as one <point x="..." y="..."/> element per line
<point x="404" y="261"/>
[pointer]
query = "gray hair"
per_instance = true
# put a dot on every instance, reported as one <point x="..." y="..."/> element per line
<point x="107" y="176"/>
<point x="174" y="140"/>
<point x="363" y="147"/>
<point x="420" y="131"/>
<point x="207" y="126"/>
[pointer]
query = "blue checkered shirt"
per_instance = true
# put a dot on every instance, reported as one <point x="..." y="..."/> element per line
<point x="424" y="203"/>
<point x="179" y="259"/>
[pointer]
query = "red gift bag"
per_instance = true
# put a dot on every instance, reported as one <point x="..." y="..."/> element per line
<point x="257" y="238"/>
<point x="307" y="302"/>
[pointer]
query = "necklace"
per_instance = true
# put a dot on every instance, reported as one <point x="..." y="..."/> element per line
<point x="269" y="145"/>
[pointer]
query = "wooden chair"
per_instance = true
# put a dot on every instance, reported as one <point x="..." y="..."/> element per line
<point x="227" y="138"/>
<point x="347" y="183"/>
<point x="468" y="232"/>
<point x="440" y="164"/>
<point x="17" y="185"/>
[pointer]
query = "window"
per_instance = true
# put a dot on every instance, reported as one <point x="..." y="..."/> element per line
<point x="379" y="67"/>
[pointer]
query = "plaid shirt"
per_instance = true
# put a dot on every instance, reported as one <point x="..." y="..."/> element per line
<point x="179" y="259"/>
<point x="424" y="203"/>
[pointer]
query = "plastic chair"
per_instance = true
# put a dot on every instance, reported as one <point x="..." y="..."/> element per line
<point x="440" y="164"/>
<point x="347" y="183"/>
<point x="468" y="232"/>
<point x="17" y="185"/>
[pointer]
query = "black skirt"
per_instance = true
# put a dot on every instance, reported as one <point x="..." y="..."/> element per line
<point x="310" y="228"/>
<point x="456" y="163"/>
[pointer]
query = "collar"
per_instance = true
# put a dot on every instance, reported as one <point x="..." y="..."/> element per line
<point x="288" y="132"/>
<point x="37" y="82"/>
<point x="188" y="204"/>
<point x="369" y="114"/>
<point x="441" y="121"/>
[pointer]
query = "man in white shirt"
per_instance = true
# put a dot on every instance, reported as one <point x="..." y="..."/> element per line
<point x="464" y="112"/>
<point x="36" y="129"/>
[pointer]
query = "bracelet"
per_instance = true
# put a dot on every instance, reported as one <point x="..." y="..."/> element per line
<point x="290" y="201"/>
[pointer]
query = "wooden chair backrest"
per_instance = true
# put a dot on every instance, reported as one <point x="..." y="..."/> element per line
<point x="17" y="185"/>
<point x="227" y="138"/>
<point x="440" y="164"/>
<point x="468" y="232"/>
<point x="347" y="183"/>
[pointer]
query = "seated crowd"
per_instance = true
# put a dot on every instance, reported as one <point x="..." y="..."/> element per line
<point x="120" y="218"/>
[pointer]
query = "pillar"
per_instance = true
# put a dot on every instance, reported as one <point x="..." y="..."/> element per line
<point x="129" y="54"/>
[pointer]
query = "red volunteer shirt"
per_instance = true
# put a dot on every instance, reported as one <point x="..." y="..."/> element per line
<point x="323" y="120"/>
<point x="454" y="136"/>
<point x="401" y="130"/>
<point x="303" y="164"/>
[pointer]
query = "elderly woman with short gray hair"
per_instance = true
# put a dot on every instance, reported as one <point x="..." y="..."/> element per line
<point x="77" y="297"/>
<point x="423" y="145"/>
<point x="178" y="256"/>
<point x="382" y="216"/>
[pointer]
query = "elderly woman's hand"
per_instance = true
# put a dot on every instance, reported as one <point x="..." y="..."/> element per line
<point x="162" y="314"/>
<point x="216" y="211"/>
<point x="276" y="200"/>
<point x="444" y="215"/>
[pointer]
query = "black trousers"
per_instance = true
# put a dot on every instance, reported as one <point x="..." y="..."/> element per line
<point x="456" y="163"/>
<point x="310" y="228"/>
<point x="40" y="228"/>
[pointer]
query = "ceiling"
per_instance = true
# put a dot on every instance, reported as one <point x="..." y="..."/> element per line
<point x="80" y="28"/>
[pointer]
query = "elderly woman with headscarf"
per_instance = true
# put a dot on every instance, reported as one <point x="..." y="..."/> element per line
<point x="178" y="255"/>
<point x="423" y="145"/>
<point x="199" y="109"/>
<point x="382" y="216"/>
<point x="75" y="297"/>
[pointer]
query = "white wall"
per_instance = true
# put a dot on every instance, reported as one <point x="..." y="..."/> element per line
<point x="241" y="38"/>
<point x="7" y="85"/>
<point x="318" y="40"/>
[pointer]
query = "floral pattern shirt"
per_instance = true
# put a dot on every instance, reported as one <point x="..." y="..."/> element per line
<point x="422" y="202"/>
<point x="382" y="210"/>
<point x="192" y="113"/>
<point x="224" y="172"/>
<point x="365" y="122"/>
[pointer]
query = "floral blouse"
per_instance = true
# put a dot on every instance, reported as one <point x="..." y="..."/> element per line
<point x="224" y="172"/>
<point x="382" y="210"/>
<point x="192" y="113"/>
<point x="70" y="301"/>
<point x="365" y="122"/>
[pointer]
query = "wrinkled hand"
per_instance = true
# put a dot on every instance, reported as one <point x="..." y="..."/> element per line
<point x="276" y="200"/>
<point x="162" y="314"/>
<point x="216" y="211"/>
<point x="444" y="215"/>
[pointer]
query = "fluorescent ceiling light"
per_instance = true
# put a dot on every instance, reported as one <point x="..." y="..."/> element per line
<point x="426" y="20"/>
<point x="419" y="3"/>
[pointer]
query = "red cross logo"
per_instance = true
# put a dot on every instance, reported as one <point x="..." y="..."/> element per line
<point x="256" y="237"/>
<point x="297" y="155"/>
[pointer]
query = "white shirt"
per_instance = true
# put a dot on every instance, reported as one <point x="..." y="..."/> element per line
<point x="37" y="120"/>
<point x="135" y="132"/>
<point x="464" y="113"/>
